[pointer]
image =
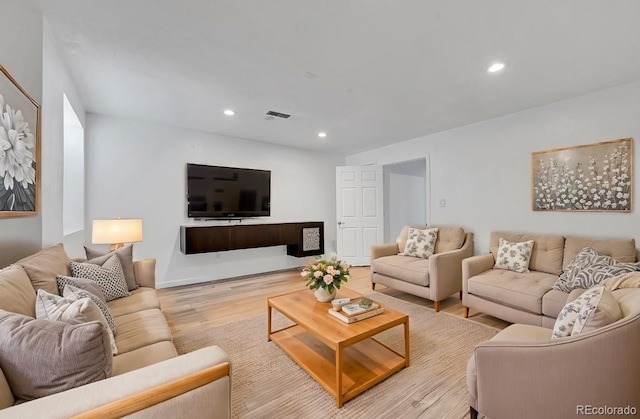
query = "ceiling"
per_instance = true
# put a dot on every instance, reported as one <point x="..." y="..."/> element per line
<point x="367" y="72"/>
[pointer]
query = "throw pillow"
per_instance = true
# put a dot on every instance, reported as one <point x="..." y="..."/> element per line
<point x="109" y="276"/>
<point x="69" y="310"/>
<point x="589" y="268"/>
<point x="595" y="314"/>
<point x="125" y="254"/>
<point x="420" y="243"/>
<point x="41" y="357"/>
<point x="76" y="293"/>
<point x="514" y="256"/>
<point x="44" y="266"/>
<point x="595" y="308"/>
<point x="82" y="283"/>
<point x="17" y="294"/>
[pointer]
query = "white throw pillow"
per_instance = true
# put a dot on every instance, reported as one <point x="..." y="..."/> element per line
<point x="595" y="308"/>
<point x="420" y="243"/>
<point x="514" y="256"/>
<point x="55" y="308"/>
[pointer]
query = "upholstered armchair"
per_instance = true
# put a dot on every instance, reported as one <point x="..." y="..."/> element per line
<point x="436" y="277"/>
<point x="523" y="373"/>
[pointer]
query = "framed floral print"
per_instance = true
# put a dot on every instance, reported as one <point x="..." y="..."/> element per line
<point x="19" y="149"/>
<point x="592" y="177"/>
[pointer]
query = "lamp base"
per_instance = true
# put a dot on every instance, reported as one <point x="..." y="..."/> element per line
<point x="115" y="246"/>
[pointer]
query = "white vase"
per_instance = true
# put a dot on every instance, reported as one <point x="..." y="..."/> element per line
<point x="324" y="296"/>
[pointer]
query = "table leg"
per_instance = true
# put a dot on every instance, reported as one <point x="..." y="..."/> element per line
<point x="339" y="401"/>
<point x="406" y="342"/>
<point x="268" y="322"/>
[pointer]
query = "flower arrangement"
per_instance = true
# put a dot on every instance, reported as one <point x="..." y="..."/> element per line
<point x="329" y="274"/>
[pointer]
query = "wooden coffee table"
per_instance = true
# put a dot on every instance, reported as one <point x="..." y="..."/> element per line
<point x="343" y="358"/>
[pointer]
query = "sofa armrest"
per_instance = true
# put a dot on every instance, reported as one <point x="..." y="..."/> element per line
<point x="445" y="270"/>
<point x="387" y="249"/>
<point x="196" y="384"/>
<point x="476" y="265"/>
<point x="553" y="378"/>
<point x="145" y="272"/>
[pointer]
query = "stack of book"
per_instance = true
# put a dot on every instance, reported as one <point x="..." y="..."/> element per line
<point x="351" y="313"/>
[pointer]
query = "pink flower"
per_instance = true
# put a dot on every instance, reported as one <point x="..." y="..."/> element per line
<point x="304" y="273"/>
<point x="328" y="279"/>
<point x="317" y="274"/>
<point x="330" y="270"/>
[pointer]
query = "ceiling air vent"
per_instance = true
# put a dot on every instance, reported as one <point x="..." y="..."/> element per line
<point x="278" y="114"/>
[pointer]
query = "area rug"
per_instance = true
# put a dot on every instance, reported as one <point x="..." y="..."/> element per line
<point x="266" y="383"/>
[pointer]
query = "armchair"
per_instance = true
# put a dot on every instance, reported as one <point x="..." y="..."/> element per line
<point x="434" y="278"/>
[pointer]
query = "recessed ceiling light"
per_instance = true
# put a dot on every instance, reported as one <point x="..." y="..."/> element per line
<point x="495" y="67"/>
<point x="229" y="112"/>
<point x="322" y="134"/>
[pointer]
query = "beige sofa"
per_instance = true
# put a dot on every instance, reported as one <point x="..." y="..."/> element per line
<point x="435" y="278"/>
<point x="528" y="298"/>
<point x="148" y="378"/>
<point x="523" y="373"/>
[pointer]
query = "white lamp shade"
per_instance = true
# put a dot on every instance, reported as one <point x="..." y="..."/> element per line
<point x="120" y="230"/>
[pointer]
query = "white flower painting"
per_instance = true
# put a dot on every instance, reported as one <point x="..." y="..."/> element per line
<point x="594" y="177"/>
<point x="19" y="124"/>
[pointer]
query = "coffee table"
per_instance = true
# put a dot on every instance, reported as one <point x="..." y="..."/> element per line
<point x="343" y="358"/>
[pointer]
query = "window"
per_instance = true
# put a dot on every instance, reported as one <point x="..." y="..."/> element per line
<point x="73" y="183"/>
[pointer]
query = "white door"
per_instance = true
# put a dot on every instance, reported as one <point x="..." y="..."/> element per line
<point x="359" y="212"/>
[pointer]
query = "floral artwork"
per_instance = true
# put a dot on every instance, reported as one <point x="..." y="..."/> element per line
<point x="593" y="177"/>
<point x="19" y="149"/>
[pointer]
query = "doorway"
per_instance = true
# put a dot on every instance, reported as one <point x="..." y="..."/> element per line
<point x="405" y="196"/>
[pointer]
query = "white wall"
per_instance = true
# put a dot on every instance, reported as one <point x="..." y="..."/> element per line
<point x="138" y="170"/>
<point x="73" y="171"/>
<point x="21" y="56"/>
<point x="404" y="196"/>
<point x="483" y="170"/>
<point x="56" y="82"/>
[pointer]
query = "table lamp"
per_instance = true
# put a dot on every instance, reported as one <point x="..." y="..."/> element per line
<point x="117" y="231"/>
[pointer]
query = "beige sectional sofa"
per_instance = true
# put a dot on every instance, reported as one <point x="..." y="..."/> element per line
<point x="147" y="379"/>
<point x="528" y="298"/>
<point x="436" y="277"/>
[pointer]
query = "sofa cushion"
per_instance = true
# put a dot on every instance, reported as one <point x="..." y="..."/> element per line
<point x="109" y="276"/>
<point x="629" y="300"/>
<point x="553" y="302"/>
<point x="43" y="267"/>
<point x="141" y="357"/>
<point x="142" y="298"/>
<point x="547" y="250"/>
<point x="514" y="256"/>
<point x="620" y="249"/>
<point x="518" y="290"/>
<point x="420" y="243"/>
<point x="406" y="268"/>
<point x="597" y="313"/>
<point x="76" y="293"/>
<point x="449" y="238"/>
<point x="81" y="283"/>
<point x="136" y="330"/>
<point x="65" y="356"/>
<point x="70" y="310"/>
<point x="125" y="254"/>
<point x="402" y="237"/>
<point x="17" y="295"/>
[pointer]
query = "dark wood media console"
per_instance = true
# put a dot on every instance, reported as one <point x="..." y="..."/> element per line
<point x="302" y="239"/>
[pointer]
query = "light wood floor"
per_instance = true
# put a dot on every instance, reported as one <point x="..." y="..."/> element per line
<point x="194" y="307"/>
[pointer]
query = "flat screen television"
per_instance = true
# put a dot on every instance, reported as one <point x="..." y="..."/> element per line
<point x="227" y="192"/>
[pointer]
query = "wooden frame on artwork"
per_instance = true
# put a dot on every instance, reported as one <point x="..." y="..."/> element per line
<point x="591" y="177"/>
<point x="19" y="149"/>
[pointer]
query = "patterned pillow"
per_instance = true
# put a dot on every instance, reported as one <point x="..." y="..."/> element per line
<point x="125" y="254"/>
<point x="82" y="283"/>
<point x="109" y="276"/>
<point x="595" y="308"/>
<point x="55" y="308"/>
<point x="590" y="268"/>
<point x="420" y="243"/>
<point x="76" y="293"/>
<point x="514" y="256"/>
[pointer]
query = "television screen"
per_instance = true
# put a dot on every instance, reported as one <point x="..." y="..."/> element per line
<point x="227" y="192"/>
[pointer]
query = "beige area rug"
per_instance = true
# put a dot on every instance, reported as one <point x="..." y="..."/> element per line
<point x="266" y="383"/>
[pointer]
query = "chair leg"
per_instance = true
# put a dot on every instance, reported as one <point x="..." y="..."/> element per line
<point x="436" y="306"/>
<point x="466" y="312"/>
<point x="373" y="285"/>
<point x="460" y="295"/>
<point x="473" y="413"/>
